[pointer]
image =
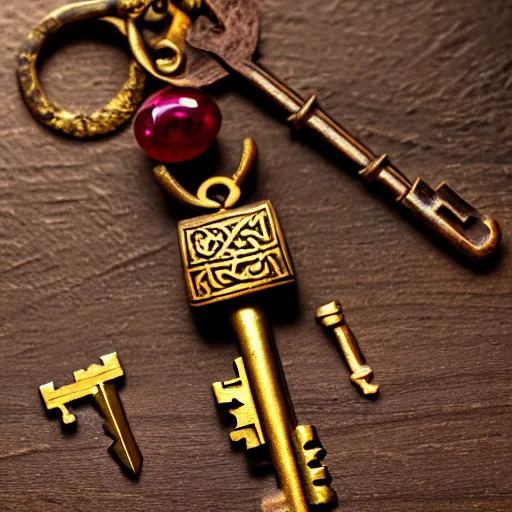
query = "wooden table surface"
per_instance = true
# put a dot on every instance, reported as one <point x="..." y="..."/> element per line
<point x="90" y="264"/>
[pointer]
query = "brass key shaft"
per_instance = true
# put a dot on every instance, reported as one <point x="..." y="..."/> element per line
<point x="272" y="398"/>
<point x="124" y="448"/>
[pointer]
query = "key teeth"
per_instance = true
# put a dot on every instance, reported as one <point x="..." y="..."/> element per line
<point x="247" y="434"/>
<point x="237" y="396"/>
<point x="243" y="431"/>
<point x="321" y="476"/>
<point x="131" y="464"/>
<point x="110" y="362"/>
<point x="314" y="473"/>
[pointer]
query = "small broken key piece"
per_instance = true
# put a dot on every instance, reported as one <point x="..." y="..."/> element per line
<point x="97" y="381"/>
<point x="331" y="317"/>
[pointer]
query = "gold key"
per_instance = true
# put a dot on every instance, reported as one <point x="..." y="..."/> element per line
<point x="331" y="317"/>
<point x="228" y="257"/>
<point x="97" y="381"/>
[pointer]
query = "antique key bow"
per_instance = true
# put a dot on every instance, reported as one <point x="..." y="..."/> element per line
<point x="207" y="39"/>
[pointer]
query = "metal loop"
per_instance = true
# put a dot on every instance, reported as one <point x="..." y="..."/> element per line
<point x="171" y="185"/>
<point x="234" y="190"/>
<point x="108" y="119"/>
<point x="163" y="69"/>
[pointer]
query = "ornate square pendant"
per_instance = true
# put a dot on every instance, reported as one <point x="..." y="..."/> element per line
<point x="233" y="253"/>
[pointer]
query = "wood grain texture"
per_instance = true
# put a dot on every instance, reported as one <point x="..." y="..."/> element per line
<point x="90" y="263"/>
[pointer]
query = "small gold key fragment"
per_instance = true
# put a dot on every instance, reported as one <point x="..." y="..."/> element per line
<point x="96" y="381"/>
<point x="331" y="316"/>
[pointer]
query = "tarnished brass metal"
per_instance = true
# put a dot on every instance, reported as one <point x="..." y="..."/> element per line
<point x="231" y="254"/>
<point x="166" y="57"/>
<point x="123" y="15"/>
<point x="299" y="118"/>
<point x="229" y="183"/>
<point x="96" y="381"/>
<point x="295" y="450"/>
<point x="272" y="400"/>
<point x="167" y="67"/>
<point x="174" y="41"/>
<point x="80" y="125"/>
<point x="236" y="393"/>
<point x="133" y="8"/>
<point x="473" y="233"/>
<point x="235" y="253"/>
<point x="331" y="317"/>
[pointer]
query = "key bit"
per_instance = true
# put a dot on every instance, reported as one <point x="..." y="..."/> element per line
<point x="331" y="316"/>
<point x="315" y="475"/>
<point x="236" y="393"/>
<point x="96" y="381"/>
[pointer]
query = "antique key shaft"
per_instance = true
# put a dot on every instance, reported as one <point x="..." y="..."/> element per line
<point x="441" y="209"/>
<point x="331" y="317"/>
<point x="273" y="402"/>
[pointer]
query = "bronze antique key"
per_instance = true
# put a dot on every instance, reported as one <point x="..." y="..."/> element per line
<point x="442" y="210"/>
<point x="98" y="381"/>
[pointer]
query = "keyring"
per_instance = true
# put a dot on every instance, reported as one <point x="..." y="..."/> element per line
<point x="112" y="116"/>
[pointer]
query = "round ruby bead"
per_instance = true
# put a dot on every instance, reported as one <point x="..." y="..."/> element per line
<point x="177" y="124"/>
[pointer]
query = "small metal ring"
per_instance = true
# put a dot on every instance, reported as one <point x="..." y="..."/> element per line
<point x="174" y="40"/>
<point x="165" y="65"/>
<point x="234" y="190"/>
<point x="108" y="119"/>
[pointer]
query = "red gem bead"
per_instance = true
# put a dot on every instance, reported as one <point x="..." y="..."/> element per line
<point x="177" y="124"/>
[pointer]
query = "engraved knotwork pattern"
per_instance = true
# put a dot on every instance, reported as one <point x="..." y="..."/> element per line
<point x="233" y="253"/>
